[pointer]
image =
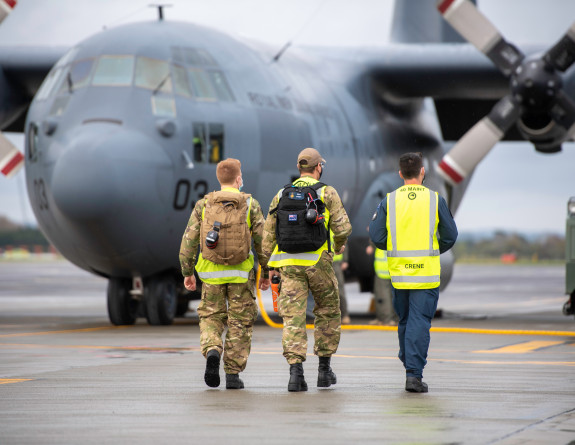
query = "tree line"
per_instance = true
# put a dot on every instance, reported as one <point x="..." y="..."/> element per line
<point x="501" y="244"/>
<point x="468" y="247"/>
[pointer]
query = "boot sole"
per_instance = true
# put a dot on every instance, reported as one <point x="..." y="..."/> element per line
<point x="418" y="389"/>
<point x="212" y="374"/>
<point x="297" y="387"/>
<point x="235" y="386"/>
<point x="325" y="382"/>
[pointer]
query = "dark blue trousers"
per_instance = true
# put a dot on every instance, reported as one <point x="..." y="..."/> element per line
<point x="415" y="309"/>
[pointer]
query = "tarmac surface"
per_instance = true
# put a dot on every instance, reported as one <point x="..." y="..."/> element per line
<point x="501" y="370"/>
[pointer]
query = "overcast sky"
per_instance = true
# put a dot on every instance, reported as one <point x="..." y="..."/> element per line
<point x="514" y="188"/>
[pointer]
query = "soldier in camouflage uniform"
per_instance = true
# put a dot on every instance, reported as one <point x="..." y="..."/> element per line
<point x="228" y="301"/>
<point x="299" y="277"/>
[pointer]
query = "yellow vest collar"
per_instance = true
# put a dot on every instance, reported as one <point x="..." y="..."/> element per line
<point x="230" y="189"/>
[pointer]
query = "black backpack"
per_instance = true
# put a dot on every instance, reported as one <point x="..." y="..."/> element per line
<point x="294" y="234"/>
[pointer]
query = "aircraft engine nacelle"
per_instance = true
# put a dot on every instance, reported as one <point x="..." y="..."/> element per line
<point x="543" y="132"/>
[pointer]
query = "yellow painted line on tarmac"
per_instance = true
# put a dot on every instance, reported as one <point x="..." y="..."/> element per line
<point x="504" y="332"/>
<point x="504" y="362"/>
<point x="360" y="327"/>
<point x="521" y="348"/>
<point x="68" y="331"/>
<point x="5" y="381"/>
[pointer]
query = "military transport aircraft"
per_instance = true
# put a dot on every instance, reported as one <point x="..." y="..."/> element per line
<point x="124" y="133"/>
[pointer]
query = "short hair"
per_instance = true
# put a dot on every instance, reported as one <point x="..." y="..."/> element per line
<point x="306" y="169"/>
<point x="228" y="170"/>
<point x="410" y="165"/>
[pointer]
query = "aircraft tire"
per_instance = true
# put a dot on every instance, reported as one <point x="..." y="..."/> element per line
<point x="183" y="306"/>
<point x="122" y="308"/>
<point x="160" y="298"/>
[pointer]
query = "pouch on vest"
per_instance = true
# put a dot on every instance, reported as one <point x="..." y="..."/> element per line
<point x="293" y="233"/>
<point x="230" y="210"/>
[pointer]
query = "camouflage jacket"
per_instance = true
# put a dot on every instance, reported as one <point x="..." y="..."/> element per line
<point x="191" y="238"/>
<point x="338" y="222"/>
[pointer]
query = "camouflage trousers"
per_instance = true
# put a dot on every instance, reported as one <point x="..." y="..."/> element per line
<point x="297" y="281"/>
<point x="232" y="305"/>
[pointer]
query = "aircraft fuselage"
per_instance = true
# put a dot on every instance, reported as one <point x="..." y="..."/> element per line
<point x="124" y="136"/>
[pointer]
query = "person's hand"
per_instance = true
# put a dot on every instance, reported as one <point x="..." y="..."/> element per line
<point x="344" y="265"/>
<point x="190" y="282"/>
<point x="369" y="249"/>
<point x="274" y="273"/>
<point x="340" y="251"/>
<point x="264" y="283"/>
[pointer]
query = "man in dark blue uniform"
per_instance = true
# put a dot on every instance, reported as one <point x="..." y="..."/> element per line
<point x="414" y="225"/>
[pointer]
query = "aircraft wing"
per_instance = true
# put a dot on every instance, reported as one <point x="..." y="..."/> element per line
<point x="463" y="83"/>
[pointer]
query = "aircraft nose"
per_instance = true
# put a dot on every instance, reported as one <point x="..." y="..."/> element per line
<point x="102" y="170"/>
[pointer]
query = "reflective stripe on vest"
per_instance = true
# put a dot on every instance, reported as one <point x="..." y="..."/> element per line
<point x="224" y="274"/>
<point x="281" y="259"/>
<point x="213" y="273"/>
<point x="380" y="263"/>
<point x="282" y="256"/>
<point x="412" y="246"/>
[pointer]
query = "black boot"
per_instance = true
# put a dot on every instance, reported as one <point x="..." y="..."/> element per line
<point x="296" y="379"/>
<point x="325" y="377"/>
<point x="414" y="384"/>
<point x="233" y="381"/>
<point x="212" y="374"/>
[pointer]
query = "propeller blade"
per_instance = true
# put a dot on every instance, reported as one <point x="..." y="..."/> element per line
<point x="11" y="159"/>
<point x="468" y="21"/>
<point x="478" y="141"/>
<point x="563" y="112"/>
<point x="562" y="54"/>
<point x="6" y="7"/>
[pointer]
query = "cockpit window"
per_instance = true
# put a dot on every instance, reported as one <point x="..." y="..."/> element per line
<point x="80" y="73"/>
<point x="76" y="76"/>
<point x="196" y="56"/>
<point x="181" y="85"/>
<point x="50" y="83"/>
<point x="114" y="71"/>
<point x="201" y="85"/>
<point x="153" y="74"/>
<point x="221" y="86"/>
<point x="193" y="56"/>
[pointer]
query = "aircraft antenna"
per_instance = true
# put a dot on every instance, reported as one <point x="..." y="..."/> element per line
<point x="160" y="7"/>
<point x="297" y="33"/>
<point x="281" y="51"/>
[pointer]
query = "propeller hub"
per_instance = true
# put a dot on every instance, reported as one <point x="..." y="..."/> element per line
<point x="535" y="85"/>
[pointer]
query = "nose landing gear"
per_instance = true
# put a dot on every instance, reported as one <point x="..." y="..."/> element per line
<point x="158" y="298"/>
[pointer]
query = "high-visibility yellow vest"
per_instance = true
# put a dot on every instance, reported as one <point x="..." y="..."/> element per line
<point x="380" y="263"/>
<point x="281" y="259"/>
<point x="212" y="273"/>
<point x="412" y="246"/>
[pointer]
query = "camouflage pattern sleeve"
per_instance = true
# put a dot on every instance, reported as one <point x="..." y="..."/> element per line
<point x="257" y="221"/>
<point x="269" y="237"/>
<point x="191" y="240"/>
<point x="338" y="220"/>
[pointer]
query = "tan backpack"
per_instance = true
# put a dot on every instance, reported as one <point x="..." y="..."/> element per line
<point x="231" y="211"/>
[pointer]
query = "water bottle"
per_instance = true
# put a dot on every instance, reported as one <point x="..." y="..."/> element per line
<point x="275" y="291"/>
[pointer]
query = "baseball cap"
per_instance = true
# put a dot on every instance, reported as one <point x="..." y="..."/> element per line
<point x="309" y="157"/>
